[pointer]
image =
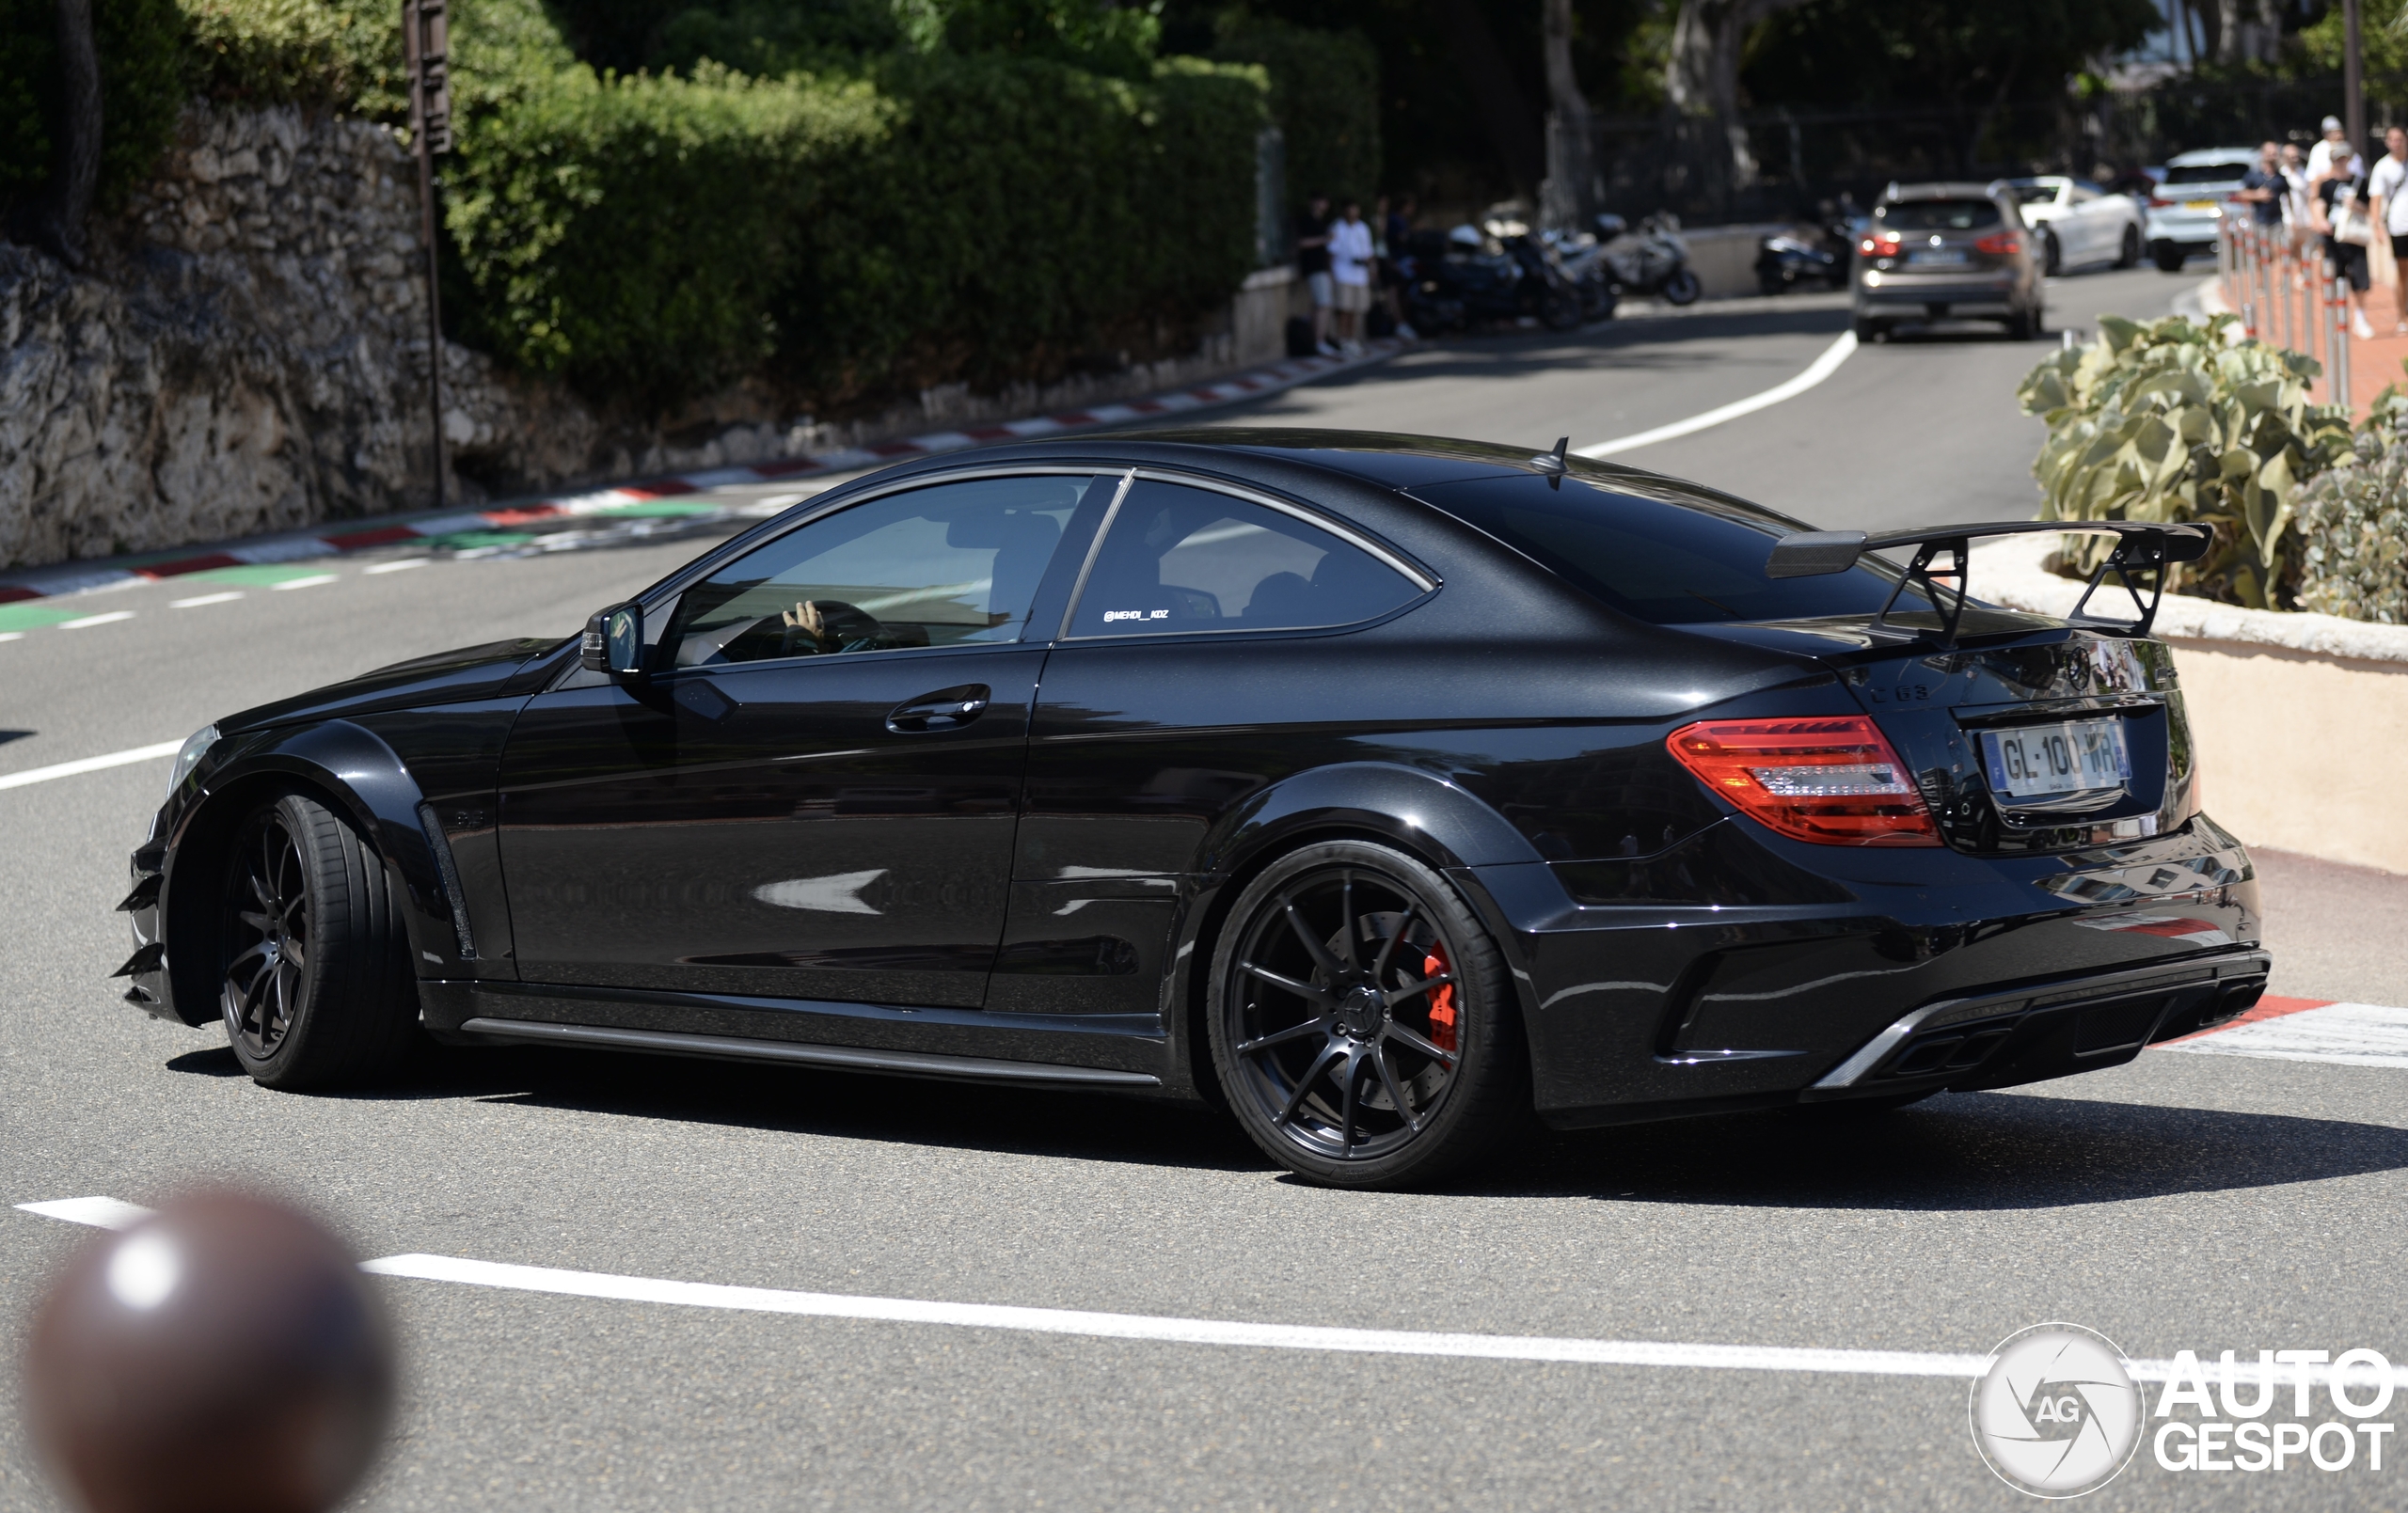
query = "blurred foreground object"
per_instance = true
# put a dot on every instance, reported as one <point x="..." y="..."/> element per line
<point x="224" y="1356"/>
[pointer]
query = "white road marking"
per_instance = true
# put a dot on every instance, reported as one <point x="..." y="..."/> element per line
<point x="402" y="566"/>
<point x="111" y="618"/>
<point x="227" y="597"/>
<point x="104" y="1213"/>
<point x="108" y="1213"/>
<point x="2344" y="1035"/>
<point x="12" y="635"/>
<point x="1822" y="368"/>
<point x="309" y="582"/>
<point x="68" y="769"/>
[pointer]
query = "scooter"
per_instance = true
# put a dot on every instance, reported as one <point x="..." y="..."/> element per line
<point x="1651" y="260"/>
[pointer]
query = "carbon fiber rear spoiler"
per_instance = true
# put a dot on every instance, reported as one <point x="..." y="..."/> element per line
<point x="2141" y="546"/>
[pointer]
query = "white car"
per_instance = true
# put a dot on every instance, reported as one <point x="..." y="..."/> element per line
<point x="2079" y="222"/>
<point x="2193" y="200"/>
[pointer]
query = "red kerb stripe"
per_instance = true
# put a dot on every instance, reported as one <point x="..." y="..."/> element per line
<point x="189" y="564"/>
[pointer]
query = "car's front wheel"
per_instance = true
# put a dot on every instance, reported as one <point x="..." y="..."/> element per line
<point x="1362" y="1022"/>
<point x="314" y="979"/>
<point x="2128" y="254"/>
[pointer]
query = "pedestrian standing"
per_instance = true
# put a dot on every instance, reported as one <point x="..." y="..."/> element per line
<point x="2263" y="187"/>
<point x="1350" y="264"/>
<point x="1312" y="261"/>
<point x="2341" y="216"/>
<point x="2295" y="213"/>
<point x="2388" y="191"/>
<point x="2334" y="143"/>
<point x="1396" y="244"/>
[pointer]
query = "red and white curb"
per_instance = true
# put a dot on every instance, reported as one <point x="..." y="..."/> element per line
<point x="2309" y="1030"/>
<point x="670" y="498"/>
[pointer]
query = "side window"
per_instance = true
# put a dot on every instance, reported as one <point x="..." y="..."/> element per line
<point x="1181" y="559"/>
<point x="953" y="564"/>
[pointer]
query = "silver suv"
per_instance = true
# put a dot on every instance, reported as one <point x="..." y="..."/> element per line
<point x="1942" y="250"/>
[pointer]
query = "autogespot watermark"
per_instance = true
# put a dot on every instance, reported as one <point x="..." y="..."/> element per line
<point x="2059" y="1412"/>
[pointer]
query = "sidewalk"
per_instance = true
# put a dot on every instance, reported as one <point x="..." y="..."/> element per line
<point x="642" y="506"/>
<point x="2373" y="365"/>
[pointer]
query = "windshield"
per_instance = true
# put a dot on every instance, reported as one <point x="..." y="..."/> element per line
<point x="2206" y="173"/>
<point x="1939" y="214"/>
<point x="1658" y="552"/>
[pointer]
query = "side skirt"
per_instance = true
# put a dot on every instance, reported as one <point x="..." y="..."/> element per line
<point x="909" y="1063"/>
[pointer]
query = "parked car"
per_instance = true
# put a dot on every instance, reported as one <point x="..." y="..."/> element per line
<point x="2080" y="223"/>
<point x="1385" y="791"/>
<point x="2193" y="201"/>
<point x="1940" y="250"/>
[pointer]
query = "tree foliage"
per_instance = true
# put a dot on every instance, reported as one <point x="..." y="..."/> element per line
<point x="1326" y="96"/>
<point x="142" y="89"/>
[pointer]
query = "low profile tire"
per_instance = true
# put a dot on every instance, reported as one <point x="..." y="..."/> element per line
<point x="1362" y="1022"/>
<point x="2129" y="255"/>
<point x="2170" y="260"/>
<point x="1868" y="331"/>
<point x="2053" y="254"/>
<point x="314" y="979"/>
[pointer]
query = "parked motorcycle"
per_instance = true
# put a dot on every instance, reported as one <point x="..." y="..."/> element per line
<point x="1462" y="280"/>
<point x="1786" y="259"/>
<point x="1582" y="258"/>
<point x="1651" y="259"/>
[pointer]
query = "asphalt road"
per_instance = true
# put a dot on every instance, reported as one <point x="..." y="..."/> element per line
<point x="2183" y="1202"/>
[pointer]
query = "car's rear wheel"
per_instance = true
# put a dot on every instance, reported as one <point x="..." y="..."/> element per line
<point x="314" y="979"/>
<point x="2129" y="255"/>
<point x="1362" y="1022"/>
<point x="2169" y="258"/>
<point x="2053" y="254"/>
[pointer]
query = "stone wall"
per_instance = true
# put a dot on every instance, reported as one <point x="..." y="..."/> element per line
<point x="247" y="353"/>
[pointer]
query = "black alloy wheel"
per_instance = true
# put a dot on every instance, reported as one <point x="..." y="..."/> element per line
<point x="2128" y="254"/>
<point x="267" y="932"/>
<point x="1361" y="1021"/>
<point x="315" y="983"/>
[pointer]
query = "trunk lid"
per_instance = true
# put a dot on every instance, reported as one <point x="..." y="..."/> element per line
<point x="2027" y="736"/>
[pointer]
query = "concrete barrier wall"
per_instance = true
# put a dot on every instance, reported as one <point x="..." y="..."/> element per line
<point x="1724" y="257"/>
<point x="2299" y="752"/>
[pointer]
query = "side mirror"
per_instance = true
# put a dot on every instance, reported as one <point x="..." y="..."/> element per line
<point x="614" y="641"/>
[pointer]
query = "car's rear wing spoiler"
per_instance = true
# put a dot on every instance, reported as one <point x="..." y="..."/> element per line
<point x="2141" y="546"/>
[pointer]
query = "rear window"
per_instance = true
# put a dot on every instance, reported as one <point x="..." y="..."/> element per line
<point x="2034" y="194"/>
<point x="1939" y="214"/>
<point x="1662" y="555"/>
<point x="2208" y="173"/>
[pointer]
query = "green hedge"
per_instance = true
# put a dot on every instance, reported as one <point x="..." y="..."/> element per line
<point x="141" y="43"/>
<point x="1325" y="96"/>
<point x="992" y="198"/>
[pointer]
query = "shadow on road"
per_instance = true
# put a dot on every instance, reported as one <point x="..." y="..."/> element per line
<point x="802" y="1100"/>
<point x="1960" y="1152"/>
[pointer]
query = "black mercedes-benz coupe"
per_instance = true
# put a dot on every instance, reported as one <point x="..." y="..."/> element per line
<point x="1384" y="791"/>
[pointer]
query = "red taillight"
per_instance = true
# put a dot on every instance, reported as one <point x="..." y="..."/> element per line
<point x="2001" y="244"/>
<point x="1833" y="780"/>
<point x="2159" y="202"/>
<point x="1883" y="245"/>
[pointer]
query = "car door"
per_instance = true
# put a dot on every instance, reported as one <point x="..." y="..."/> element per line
<point x="2100" y="226"/>
<point x="1173" y="694"/>
<point x="811" y="791"/>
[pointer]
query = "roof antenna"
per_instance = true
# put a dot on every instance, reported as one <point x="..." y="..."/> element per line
<point x="1552" y="463"/>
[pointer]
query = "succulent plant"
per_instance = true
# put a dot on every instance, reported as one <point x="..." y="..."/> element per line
<point x="2183" y="421"/>
<point x="2355" y="520"/>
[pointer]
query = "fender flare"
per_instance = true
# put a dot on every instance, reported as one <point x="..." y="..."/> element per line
<point x="1415" y="809"/>
<point x="355" y="770"/>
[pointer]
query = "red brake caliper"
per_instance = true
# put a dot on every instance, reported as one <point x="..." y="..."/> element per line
<point x="1442" y="1000"/>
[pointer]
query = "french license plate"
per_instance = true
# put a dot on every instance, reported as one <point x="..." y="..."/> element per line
<point x="1948" y="257"/>
<point x="2198" y="204"/>
<point x="2073" y="756"/>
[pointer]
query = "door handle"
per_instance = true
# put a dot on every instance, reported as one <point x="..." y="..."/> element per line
<point x="946" y="709"/>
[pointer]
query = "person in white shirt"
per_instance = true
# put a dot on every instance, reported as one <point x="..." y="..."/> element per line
<point x="1350" y="265"/>
<point x="2388" y="193"/>
<point x="2319" y="157"/>
<point x="2295" y="214"/>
